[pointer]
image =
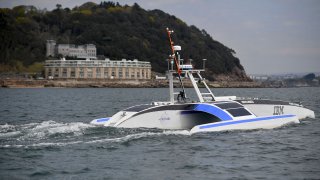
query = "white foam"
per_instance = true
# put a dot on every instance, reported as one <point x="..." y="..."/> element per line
<point x="10" y="134"/>
<point x="178" y="132"/>
<point x="27" y="126"/>
<point x="48" y="128"/>
<point x="75" y="128"/>
<point x="34" y="132"/>
<point x="124" y="138"/>
<point x="10" y="146"/>
<point x="141" y="135"/>
<point x="41" y="144"/>
<point x="6" y="127"/>
<point x="55" y="144"/>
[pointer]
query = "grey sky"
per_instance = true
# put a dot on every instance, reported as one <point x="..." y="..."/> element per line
<point x="269" y="36"/>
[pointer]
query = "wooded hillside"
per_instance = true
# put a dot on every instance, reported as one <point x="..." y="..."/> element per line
<point x="117" y="31"/>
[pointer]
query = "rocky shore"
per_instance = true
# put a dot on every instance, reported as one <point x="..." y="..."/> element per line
<point x="86" y="83"/>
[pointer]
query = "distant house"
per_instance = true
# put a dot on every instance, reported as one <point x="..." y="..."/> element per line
<point x="259" y="77"/>
<point x="87" y="51"/>
<point x="161" y="77"/>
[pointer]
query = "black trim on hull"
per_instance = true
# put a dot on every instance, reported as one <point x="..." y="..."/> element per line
<point x="229" y="105"/>
<point x="263" y="101"/>
<point x="167" y="107"/>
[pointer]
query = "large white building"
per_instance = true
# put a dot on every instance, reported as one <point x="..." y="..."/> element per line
<point x="97" y="69"/>
<point x="87" y="51"/>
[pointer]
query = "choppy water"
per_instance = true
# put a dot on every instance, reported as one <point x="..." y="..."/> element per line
<point x="45" y="134"/>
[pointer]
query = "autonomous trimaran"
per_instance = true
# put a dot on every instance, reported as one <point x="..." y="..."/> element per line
<point x="209" y="112"/>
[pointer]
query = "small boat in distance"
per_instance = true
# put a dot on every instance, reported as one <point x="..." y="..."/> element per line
<point x="209" y="112"/>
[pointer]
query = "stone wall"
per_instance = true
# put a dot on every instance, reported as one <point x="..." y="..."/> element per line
<point x="113" y="83"/>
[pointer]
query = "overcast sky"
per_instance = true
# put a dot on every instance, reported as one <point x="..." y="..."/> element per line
<point x="269" y="36"/>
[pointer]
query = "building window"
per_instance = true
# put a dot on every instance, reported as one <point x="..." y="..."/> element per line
<point x="98" y="72"/>
<point x="56" y="72"/>
<point x="73" y="73"/>
<point x="120" y="73"/>
<point x="132" y="75"/>
<point x="89" y="72"/>
<point x="64" y="72"/>
<point x="142" y="73"/>
<point x="127" y="73"/>
<point x="138" y="74"/>
<point x="105" y="72"/>
<point x="113" y="73"/>
<point x="49" y="72"/>
<point x="81" y="73"/>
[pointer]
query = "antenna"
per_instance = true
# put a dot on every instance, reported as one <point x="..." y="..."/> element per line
<point x="173" y="49"/>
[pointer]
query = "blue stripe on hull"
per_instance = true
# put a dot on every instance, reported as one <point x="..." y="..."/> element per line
<point x="244" y="121"/>
<point x="103" y="120"/>
<point x="214" y="111"/>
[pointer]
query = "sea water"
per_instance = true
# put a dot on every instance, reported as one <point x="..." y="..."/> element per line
<point x="45" y="134"/>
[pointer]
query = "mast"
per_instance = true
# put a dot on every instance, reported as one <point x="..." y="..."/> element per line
<point x="182" y="93"/>
<point x="202" y="96"/>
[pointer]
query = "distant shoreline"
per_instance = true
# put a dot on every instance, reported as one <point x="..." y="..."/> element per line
<point x="114" y="83"/>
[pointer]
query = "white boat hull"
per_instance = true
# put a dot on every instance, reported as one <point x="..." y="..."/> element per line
<point x="268" y="122"/>
<point x="217" y="116"/>
<point x="176" y="122"/>
<point x="269" y="109"/>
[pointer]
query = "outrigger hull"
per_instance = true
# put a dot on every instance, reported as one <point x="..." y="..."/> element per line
<point x="268" y="122"/>
<point x="265" y="107"/>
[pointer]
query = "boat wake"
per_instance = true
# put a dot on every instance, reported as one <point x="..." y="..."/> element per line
<point x="56" y="134"/>
<point x="41" y="130"/>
